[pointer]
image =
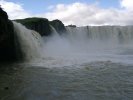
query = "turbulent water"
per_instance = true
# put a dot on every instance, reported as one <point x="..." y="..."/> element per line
<point x="86" y="63"/>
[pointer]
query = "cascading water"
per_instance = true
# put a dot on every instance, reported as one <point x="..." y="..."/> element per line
<point x="91" y="43"/>
<point x="78" y="45"/>
<point x="114" y="34"/>
<point x="29" y="42"/>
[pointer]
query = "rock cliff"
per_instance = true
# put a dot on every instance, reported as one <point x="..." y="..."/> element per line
<point x="7" y="38"/>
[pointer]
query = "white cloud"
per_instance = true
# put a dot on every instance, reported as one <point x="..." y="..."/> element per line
<point x="89" y="14"/>
<point x="14" y="10"/>
<point x="127" y="4"/>
<point x="78" y="13"/>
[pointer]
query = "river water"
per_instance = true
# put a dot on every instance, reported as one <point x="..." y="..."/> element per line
<point x="98" y="80"/>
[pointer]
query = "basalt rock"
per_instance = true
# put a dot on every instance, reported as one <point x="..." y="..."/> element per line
<point x="7" y="38"/>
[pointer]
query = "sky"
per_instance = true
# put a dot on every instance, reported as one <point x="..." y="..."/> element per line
<point x="77" y="12"/>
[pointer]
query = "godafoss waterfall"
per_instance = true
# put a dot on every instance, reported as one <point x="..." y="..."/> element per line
<point x="65" y="63"/>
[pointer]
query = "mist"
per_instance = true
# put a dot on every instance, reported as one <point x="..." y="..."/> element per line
<point x="78" y="46"/>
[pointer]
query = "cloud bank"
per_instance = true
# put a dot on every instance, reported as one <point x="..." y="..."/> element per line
<point x="78" y="13"/>
<point x="85" y="14"/>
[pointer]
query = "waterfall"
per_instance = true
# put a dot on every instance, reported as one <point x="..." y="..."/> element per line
<point x="112" y="34"/>
<point x="29" y="42"/>
<point x="79" y="44"/>
<point x="90" y="38"/>
<point x="91" y="43"/>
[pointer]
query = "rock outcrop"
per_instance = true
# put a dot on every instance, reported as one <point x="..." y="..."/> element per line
<point x="7" y="39"/>
<point x="40" y="25"/>
<point x="59" y="26"/>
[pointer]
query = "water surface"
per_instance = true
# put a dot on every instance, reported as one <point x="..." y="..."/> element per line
<point x="103" y="80"/>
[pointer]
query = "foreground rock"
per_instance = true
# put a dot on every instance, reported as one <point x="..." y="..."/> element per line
<point x="7" y="38"/>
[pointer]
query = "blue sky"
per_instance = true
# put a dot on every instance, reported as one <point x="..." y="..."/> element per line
<point x="78" y="12"/>
<point x="38" y="6"/>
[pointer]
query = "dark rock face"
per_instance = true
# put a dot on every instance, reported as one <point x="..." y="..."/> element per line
<point x="7" y="39"/>
<point x="59" y="26"/>
<point x="40" y="25"/>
